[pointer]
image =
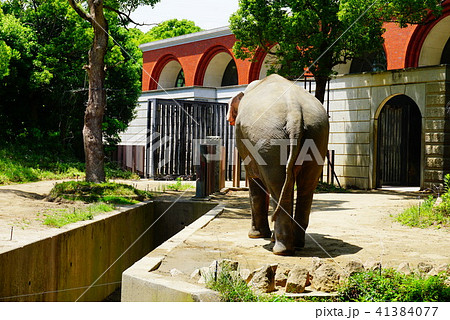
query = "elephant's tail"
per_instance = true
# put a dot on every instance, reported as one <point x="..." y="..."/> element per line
<point x="286" y="199"/>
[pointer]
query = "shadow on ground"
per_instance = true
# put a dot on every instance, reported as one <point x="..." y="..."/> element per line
<point x="23" y="194"/>
<point x="322" y="246"/>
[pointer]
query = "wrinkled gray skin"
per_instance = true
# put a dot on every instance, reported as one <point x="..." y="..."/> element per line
<point x="274" y="108"/>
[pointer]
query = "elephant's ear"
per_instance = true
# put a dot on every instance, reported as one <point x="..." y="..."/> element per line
<point x="233" y="108"/>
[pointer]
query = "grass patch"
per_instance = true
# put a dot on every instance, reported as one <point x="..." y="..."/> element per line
<point x="389" y="285"/>
<point x="108" y="192"/>
<point x="61" y="217"/>
<point x="427" y="214"/>
<point x="178" y="186"/>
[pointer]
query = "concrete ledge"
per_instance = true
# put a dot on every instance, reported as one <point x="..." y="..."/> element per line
<point x="140" y="284"/>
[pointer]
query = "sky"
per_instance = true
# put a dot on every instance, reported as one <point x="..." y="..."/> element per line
<point x="207" y="14"/>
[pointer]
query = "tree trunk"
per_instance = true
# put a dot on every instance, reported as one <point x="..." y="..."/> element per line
<point x="95" y="109"/>
<point x="321" y="87"/>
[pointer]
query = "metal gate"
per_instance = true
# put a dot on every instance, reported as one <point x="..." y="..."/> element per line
<point x="176" y="128"/>
<point x="399" y="143"/>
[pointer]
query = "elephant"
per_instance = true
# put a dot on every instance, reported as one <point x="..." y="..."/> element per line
<point x="282" y="135"/>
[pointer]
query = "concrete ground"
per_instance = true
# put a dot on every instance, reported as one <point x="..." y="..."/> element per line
<point x="343" y="227"/>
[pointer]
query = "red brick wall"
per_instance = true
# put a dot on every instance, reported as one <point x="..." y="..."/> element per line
<point x="190" y="56"/>
<point x="396" y="42"/>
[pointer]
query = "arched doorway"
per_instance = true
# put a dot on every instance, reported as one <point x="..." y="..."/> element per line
<point x="399" y="143"/>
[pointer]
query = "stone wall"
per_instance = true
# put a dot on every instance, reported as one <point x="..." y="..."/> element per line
<point x="355" y="104"/>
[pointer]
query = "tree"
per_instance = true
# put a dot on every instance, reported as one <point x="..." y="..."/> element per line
<point x="93" y="11"/>
<point x="46" y="84"/>
<point x="167" y="29"/>
<point x="317" y="35"/>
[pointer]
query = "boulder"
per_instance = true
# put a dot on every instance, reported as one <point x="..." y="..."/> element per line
<point x="404" y="268"/>
<point x="424" y="267"/>
<point x="297" y="280"/>
<point x="175" y="272"/>
<point x="372" y="265"/>
<point x="281" y="275"/>
<point x="263" y="280"/>
<point x="353" y="267"/>
<point x="325" y="278"/>
<point x="246" y="275"/>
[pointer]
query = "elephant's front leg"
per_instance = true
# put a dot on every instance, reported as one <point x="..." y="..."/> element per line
<point x="259" y="200"/>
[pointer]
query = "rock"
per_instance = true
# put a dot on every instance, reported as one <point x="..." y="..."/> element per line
<point x="353" y="267"/>
<point x="263" y="280"/>
<point x="297" y="280"/>
<point x="437" y="202"/>
<point x="281" y="275"/>
<point x="226" y="264"/>
<point x="175" y="272"/>
<point x="444" y="268"/>
<point x="404" y="268"/>
<point x="325" y="278"/>
<point x="316" y="263"/>
<point x="195" y="274"/>
<point x="205" y="275"/>
<point x="424" y="267"/>
<point x="246" y="275"/>
<point x="432" y="272"/>
<point x="372" y="265"/>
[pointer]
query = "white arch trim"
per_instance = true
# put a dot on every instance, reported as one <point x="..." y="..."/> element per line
<point x="431" y="51"/>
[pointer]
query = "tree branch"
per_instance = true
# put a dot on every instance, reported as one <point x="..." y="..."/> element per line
<point x="80" y="11"/>
<point x="128" y="17"/>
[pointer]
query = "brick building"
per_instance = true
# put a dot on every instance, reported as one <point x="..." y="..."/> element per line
<point x="388" y="112"/>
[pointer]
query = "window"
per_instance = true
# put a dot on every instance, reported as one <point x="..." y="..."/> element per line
<point x="179" y="82"/>
<point x="230" y="76"/>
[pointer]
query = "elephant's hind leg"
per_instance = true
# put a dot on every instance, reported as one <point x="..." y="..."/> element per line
<point x="259" y="200"/>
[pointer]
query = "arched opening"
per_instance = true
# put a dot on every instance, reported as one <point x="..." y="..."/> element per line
<point x="171" y="75"/>
<point x="399" y="143"/>
<point x="445" y="57"/>
<point x="375" y="61"/>
<point x="214" y="73"/>
<point x="269" y="62"/>
<point x="230" y="76"/>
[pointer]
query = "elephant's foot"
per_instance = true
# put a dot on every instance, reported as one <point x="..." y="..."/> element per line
<point x="281" y="250"/>
<point x="256" y="233"/>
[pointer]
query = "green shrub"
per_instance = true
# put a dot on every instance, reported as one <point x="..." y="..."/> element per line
<point x="178" y="186"/>
<point x="428" y="213"/>
<point x="108" y="192"/>
<point x="389" y="285"/>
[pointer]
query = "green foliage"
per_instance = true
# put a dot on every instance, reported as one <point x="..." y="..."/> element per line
<point x="59" y="218"/>
<point x="107" y="192"/>
<point x="323" y="187"/>
<point x="230" y="286"/>
<point x="391" y="286"/>
<point x="45" y="80"/>
<point x="304" y="31"/>
<point x="45" y="160"/>
<point x="167" y="29"/>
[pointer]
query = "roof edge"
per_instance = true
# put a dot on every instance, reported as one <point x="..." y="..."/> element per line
<point x="187" y="38"/>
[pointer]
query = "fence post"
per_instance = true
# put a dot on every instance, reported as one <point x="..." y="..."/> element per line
<point x="201" y="173"/>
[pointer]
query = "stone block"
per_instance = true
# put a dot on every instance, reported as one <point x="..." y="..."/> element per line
<point x="298" y="280"/>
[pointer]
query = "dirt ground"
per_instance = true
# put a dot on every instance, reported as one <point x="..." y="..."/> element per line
<point x="343" y="226"/>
